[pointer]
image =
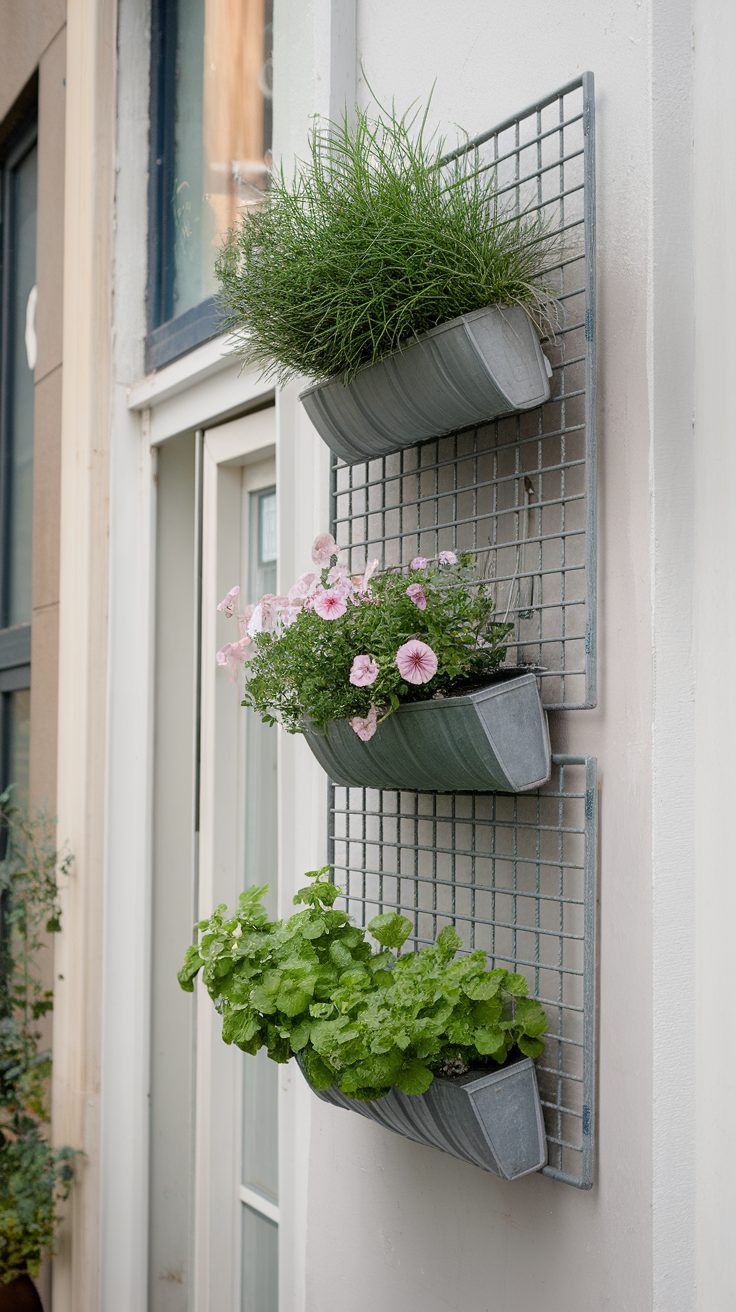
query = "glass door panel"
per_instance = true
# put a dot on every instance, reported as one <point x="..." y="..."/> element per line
<point x="236" y="1212"/>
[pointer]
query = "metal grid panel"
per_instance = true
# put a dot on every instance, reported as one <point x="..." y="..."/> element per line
<point x="516" y="875"/>
<point x="521" y="489"/>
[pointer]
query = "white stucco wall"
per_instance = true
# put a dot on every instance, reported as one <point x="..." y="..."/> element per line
<point x="390" y="1224"/>
<point x="714" y="639"/>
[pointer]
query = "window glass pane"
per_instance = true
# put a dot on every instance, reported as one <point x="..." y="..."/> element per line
<point x="18" y="723"/>
<point x="260" y="1287"/>
<point x="22" y="277"/>
<point x="260" y="1126"/>
<point x="222" y="133"/>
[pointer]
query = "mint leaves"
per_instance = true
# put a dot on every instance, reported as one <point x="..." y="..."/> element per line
<point x="361" y="1018"/>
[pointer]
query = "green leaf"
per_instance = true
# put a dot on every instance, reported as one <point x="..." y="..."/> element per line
<point x="342" y="958"/>
<point x="489" y="1042"/>
<point x="530" y="1047"/>
<point x="239" y="1027"/>
<point x="414" y="1078"/>
<point x="449" y="941"/>
<point x="318" y="1072"/>
<point x="291" y="999"/>
<point x="483" y="987"/>
<point x="390" y="929"/>
<point x="529" y="1014"/>
<point x="190" y="969"/>
<point x="299" y="1037"/>
<point x="516" y="985"/>
<point x="314" y="928"/>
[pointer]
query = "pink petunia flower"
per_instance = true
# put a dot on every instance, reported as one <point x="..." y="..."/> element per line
<point x="419" y="562"/>
<point x="416" y="661"/>
<point x="416" y="592"/>
<point x="302" y="588"/>
<point x="233" y="654"/>
<point x="337" y="574"/>
<point x="266" y="615"/>
<point x="365" y="726"/>
<point x="370" y="570"/>
<point x="330" y="605"/>
<point x="447" y="558"/>
<point x="364" y="672"/>
<point x="244" y="619"/>
<point x="324" y="548"/>
<point x="229" y="603"/>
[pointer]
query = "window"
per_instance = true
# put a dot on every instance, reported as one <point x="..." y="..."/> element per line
<point x="17" y="362"/>
<point x="211" y="141"/>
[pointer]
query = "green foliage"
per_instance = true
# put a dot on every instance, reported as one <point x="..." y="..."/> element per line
<point x="301" y="672"/>
<point x="372" y="243"/>
<point x="34" y="1177"/>
<point x="362" y="1018"/>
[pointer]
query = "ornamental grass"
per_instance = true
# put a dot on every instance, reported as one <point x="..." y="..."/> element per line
<point x="376" y="239"/>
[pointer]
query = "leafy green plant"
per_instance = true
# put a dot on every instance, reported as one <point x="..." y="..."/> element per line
<point x="342" y="648"/>
<point x="373" y="242"/>
<point x="34" y="1177"/>
<point x="366" y="1018"/>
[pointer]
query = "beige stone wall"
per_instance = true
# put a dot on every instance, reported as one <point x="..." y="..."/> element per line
<point x="33" y="65"/>
<point x="46" y="489"/>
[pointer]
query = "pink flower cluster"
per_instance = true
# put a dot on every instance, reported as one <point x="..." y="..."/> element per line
<point x="329" y="593"/>
<point x="273" y="613"/>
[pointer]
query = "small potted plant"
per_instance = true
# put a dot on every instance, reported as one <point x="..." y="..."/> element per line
<point x="430" y="1044"/>
<point x="394" y="677"/>
<point x="34" y="1176"/>
<point x="397" y="280"/>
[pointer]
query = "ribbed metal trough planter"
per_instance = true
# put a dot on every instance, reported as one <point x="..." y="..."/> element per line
<point x="468" y="371"/>
<point x="491" y="1119"/>
<point x="495" y="739"/>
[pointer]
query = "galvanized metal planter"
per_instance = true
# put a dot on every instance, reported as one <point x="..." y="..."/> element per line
<point x="490" y="1119"/>
<point x="495" y="739"/>
<point x="468" y="371"/>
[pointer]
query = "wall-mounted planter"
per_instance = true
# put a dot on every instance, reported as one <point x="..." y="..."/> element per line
<point x="468" y="371"/>
<point x="491" y="1119"/>
<point x="495" y="739"/>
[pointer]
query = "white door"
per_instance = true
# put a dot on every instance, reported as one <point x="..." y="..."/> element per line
<point x="236" y="1136"/>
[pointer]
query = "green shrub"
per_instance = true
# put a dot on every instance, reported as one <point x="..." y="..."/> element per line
<point x="34" y="1177"/>
<point x="366" y="1019"/>
<point x="372" y="243"/>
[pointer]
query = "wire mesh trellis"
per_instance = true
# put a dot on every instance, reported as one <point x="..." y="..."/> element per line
<point x="520" y="490"/>
<point x="516" y="874"/>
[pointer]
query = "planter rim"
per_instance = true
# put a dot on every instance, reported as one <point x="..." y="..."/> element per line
<point x="469" y="317"/>
<point x="477" y="1077"/>
<point x="484" y="693"/>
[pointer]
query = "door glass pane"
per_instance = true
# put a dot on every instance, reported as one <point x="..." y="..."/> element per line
<point x="261" y="816"/>
<point x="260" y="1126"/>
<point x="20" y="382"/>
<point x="260" y="1092"/>
<point x="260" y="1287"/>
<point x="222" y="132"/>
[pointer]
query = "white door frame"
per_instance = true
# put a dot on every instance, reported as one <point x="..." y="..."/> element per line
<point x="249" y="440"/>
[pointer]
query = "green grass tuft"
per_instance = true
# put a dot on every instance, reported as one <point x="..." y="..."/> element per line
<point x="373" y="242"/>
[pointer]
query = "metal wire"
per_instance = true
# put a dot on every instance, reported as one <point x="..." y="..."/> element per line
<point x="521" y="490"/>
<point x="516" y="874"/>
